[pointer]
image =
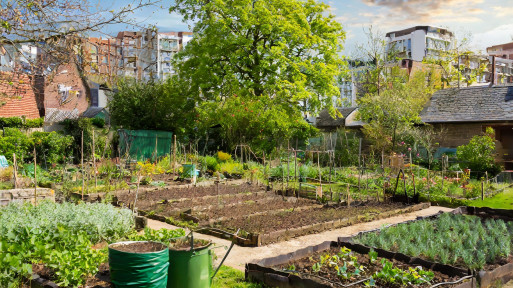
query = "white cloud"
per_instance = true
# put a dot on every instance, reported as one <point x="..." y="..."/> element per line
<point x="499" y="35"/>
<point x="503" y="11"/>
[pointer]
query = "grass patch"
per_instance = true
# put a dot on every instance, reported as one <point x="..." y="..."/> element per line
<point x="232" y="278"/>
<point x="502" y="200"/>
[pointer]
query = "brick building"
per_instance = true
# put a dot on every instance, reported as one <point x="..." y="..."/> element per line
<point x="66" y="94"/>
<point x="464" y="113"/>
<point x="502" y="51"/>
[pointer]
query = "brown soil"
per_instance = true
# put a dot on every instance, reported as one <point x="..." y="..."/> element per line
<point x="252" y="207"/>
<point x="304" y="267"/>
<point x="293" y="219"/>
<point x="138" y="247"/>
<point x="100" y="280"/>
<point x="185" y="245"/>
<point x="189" y="192"/>
<point x="172" y="208"/>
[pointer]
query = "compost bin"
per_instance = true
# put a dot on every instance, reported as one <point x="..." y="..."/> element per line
<point x="141" y="264"/>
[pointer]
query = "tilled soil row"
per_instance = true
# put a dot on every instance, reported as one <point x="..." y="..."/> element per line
<point x="188" y="193"/>
<point x="243" y="209"/>
<point x="293" y="219"/>
<point x="174" y="207"/>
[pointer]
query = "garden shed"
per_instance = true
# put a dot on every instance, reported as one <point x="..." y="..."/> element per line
<point x="464" y="113"/>
<point x="327" y="123"/>
<point x="145" y="144"/>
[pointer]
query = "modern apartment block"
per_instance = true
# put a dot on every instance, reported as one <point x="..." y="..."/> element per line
<point x="417" y="43"/>
<point x="504" y="51"/>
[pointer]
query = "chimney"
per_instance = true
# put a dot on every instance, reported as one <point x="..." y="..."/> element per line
<point x="493" y="82"/>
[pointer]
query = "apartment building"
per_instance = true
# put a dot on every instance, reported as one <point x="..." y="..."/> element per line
<point x="504" y="51"/>
<point x="419" y="42"/>
<point x="104" y="58"/>
<point x="142" y="55"/>
<point x="21" y="58"/>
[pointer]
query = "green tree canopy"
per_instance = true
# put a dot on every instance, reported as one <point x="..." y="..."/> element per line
<point x="396" y="109"/>
<point x="285" y="50"/>
<point x="151" y="106"/>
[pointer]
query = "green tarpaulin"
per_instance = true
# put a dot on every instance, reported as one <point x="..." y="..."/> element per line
<point x="140" y="144"/>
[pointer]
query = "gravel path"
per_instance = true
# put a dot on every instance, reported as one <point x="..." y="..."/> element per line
<point x="239" y="256"/>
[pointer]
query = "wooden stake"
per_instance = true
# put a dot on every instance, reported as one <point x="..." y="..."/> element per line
<point x="82" y="162"/>
<point x="35" y="177"/>
<point x="295" y="168"/>
<point x="174" y="154"/>
<point x="348" y="196"/>
<point x="137" y="190"/>
<point x="319" y="168"/>
<point x="94" y="165"/>
<point x="482" y="190"/>
<point x="15" y="170"/>
<point x="288" y="163"/>
<point x="156" y="145"/>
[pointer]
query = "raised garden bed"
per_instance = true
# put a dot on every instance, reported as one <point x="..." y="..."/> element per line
<point x="262" y="229"/>
<point x="177" y="206"/>
<point x="187" y="192"/>
<point x="333" y="264"/>
<point x="262" y="206"/>
<point x="476" y="240"/>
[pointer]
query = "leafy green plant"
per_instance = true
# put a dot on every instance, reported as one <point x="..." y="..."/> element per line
<point x="162" y="235"/>
<point x="393" y="275"/>
<point x="59" y="236"/>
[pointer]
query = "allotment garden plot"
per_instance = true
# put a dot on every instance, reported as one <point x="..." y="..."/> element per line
<point x="261" y="217"/>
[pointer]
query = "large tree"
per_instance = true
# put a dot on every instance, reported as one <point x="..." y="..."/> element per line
<point x="284" y="50"/>
<point x="260" y="66"/>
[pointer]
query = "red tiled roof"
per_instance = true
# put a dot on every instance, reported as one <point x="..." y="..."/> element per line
<point x="17" y="97"/>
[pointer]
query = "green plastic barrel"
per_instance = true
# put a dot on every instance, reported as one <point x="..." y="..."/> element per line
<point x="142" y="270"/>
<point x="190" y="268"/>
<point x="189" y="170"/>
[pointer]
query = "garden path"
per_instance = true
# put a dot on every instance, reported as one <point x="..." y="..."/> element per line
<point x="239" y="256"/>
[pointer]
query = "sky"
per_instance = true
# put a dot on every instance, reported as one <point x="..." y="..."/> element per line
<point x="488" y="22"/>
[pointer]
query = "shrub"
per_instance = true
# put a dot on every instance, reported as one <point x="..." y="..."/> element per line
<point x="52" y="147"/>
<point x="17" y="122"/>
<point x="479" y="154"/>
<point x="211" y="163"/>
<point x="15" y="141"/>
<point x="223" y="156"/>
<point x="98" y="122"/>
<point x="232" y="168"/>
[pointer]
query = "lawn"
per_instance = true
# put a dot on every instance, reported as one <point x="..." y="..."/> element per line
<point x="231" y="278"/>
<point x="503" y="200"/>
